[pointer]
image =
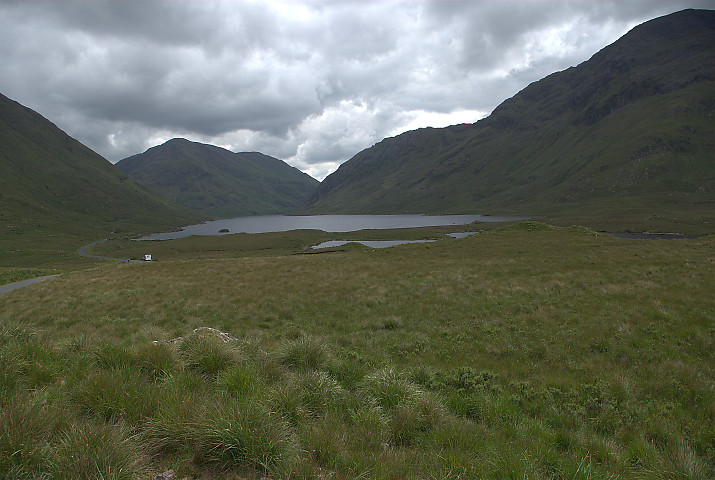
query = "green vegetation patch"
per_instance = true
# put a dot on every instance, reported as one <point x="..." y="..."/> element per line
<point x="523" y="352"/>
<point x="12" y="275"/>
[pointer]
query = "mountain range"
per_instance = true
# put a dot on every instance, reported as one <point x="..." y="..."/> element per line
<point x="632" y="127"/>
<point x="630" y="132"/>
<point x="217" y="182"/>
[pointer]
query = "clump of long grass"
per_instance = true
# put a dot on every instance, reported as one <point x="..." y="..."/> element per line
<point x="240" y="380"/>
<point x="208" y="355"/>
<point x="158" y="361"/>
<point x="348" y="372"/>
<point x="39" y="441"/>
<point x="168" y="431"/>
<point x="412" y="411"/>
<point x="26" y="431"/>
<point x="243" y="434"/>
<point x="115" y="395"/>
<point x="305" y="353"/>
<point x="97" y="451"/>
<point x="390" y="388"/>
<point x="114" y="356"/>
<point x="10" y="376"/>
<point x="681" y="461"/>
<point x="307" y="394"/>
<point x="418" y="416"/>
<point x="368" y="422"/>
<point x="15" y="334"/>
<point x="26" y="359"/>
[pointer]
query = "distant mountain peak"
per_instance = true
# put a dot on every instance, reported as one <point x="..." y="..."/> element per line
<point x="218" y="182"/>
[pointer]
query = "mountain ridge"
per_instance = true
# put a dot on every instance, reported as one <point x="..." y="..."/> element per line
<point x="49" y="178"/>
<point x="218" y="182"/>
<point x="639" y="109"/>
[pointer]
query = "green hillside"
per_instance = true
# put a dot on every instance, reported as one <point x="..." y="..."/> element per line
<point x="628" y="133"/>
<point x="218" y="182"/>
<point x="53" y="188"/>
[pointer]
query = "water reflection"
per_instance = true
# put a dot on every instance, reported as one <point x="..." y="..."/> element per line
<point x="327" y="223"/>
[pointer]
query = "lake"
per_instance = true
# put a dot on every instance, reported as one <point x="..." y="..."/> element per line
<point x="384" y="243"/>
<point x="327" y="223"/>
<point x="368" y="243"/>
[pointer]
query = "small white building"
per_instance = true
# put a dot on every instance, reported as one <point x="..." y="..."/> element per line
<point x="147" y="258"/>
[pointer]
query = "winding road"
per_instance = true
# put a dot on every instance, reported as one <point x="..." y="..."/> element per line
<point x="14" y="286"/>
<point x="81" y="252"/>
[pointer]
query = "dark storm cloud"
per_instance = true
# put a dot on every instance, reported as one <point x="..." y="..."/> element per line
<point x="311" y="82"/>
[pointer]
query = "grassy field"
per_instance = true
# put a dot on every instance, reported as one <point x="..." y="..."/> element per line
<point x="526" y="351"/>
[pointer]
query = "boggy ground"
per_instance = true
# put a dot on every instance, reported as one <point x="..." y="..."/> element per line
<point x="528" y="351"/>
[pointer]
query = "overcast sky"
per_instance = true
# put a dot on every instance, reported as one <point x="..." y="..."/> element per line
<point x="309" y="82"/>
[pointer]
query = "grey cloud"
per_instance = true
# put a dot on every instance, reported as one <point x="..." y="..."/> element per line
<point x="310" y="82"/>
<point x="157" y="21"/>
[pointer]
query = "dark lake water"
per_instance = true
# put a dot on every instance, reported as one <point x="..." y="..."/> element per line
<point x="327" y="223"/>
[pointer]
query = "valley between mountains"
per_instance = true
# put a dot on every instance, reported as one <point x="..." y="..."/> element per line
<point x="541" y="349"/>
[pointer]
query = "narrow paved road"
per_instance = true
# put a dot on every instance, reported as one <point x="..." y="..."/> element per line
<point x="14" y="286"/>
<point x="83" y="253"/>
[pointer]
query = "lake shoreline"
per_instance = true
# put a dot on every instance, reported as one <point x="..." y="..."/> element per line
<point x="326" y="223"/>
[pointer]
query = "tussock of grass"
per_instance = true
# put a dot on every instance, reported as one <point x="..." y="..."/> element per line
<point x="25" y="433"/>
<point x="240" y="380"/>
<point x="207" y="355"/>
<point x="242" y="434"/>
<point x="117" y="395"/>
<point x="157" y="361"/>
<point x="305" y="394"/>
<point x="40" y="441"/>
<point x="305" y="353"/>
<point x="96" y="451"/>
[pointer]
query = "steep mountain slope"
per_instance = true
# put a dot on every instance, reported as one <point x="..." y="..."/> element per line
<point x="218" y="182"/>
<point x="50" y="182"/>
<point x="631" y="128"/>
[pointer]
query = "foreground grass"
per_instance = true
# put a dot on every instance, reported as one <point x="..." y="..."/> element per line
<point x="12" y="275"/>
<point x="524" y="352"/>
